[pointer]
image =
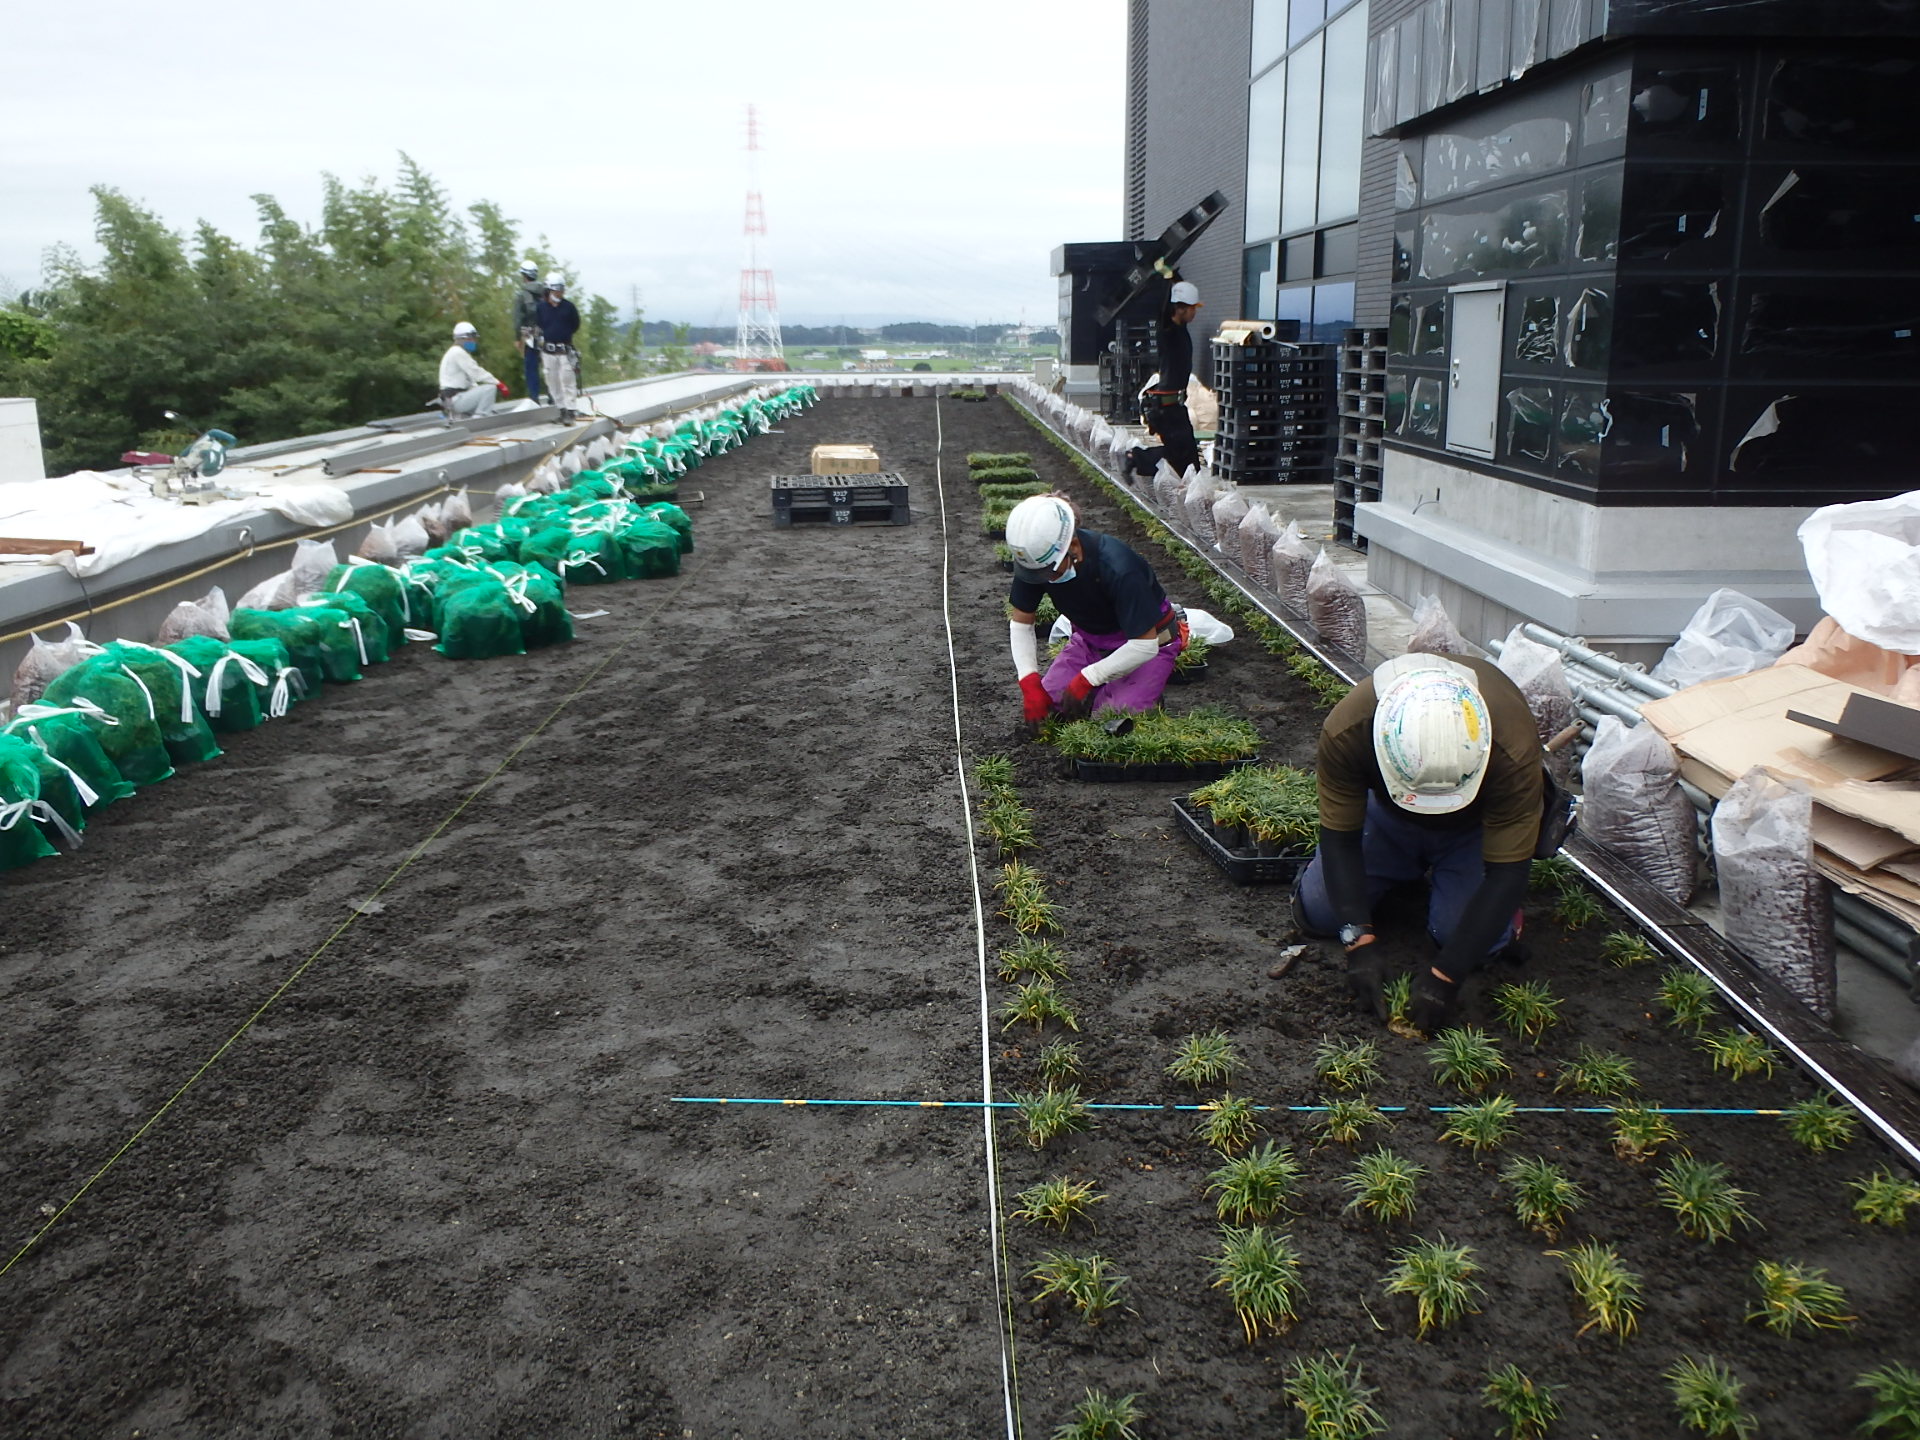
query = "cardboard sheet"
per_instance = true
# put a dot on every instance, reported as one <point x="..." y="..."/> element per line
<point x="1862" y="845"/>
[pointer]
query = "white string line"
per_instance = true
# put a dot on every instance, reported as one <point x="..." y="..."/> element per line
<point x="1001" y="1281"/>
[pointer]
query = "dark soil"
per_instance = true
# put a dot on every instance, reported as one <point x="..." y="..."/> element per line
<point x="441" y="1187"/>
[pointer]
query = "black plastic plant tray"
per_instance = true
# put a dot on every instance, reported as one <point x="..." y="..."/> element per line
<point x="1192" y="675"/>
<point x="1243" y="867"/>
<point x="1163" y="771"/>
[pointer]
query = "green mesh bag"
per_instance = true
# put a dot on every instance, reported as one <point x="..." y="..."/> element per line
<point x="285" y="686"/>
<point x="650" y="549"/>
<point x="22" y="810"/>
<point x="166" y="678"/>
<point x="590" y="485"/>
<point x="381" y="588"/>
<point x="479" y="621"/>
<point x="548" y="622"/>
<point x="341" y="643"/>
<point x="227" y="691"/>
<point x="121" y="722"/>
<point x="67" y="739"/>
<point x="297" y="630"/>
<point x="674" y="516"/>
<point x="370" y="638"/>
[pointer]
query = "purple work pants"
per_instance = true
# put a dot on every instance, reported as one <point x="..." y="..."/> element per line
<point x="1136" y="690"/>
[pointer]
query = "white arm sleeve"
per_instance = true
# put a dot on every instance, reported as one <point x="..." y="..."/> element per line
<point x="1026" y="649"/>
<point x="1124" y="661"/>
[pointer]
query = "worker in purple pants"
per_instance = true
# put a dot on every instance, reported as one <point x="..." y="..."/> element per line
<point x="1126" y="634"/>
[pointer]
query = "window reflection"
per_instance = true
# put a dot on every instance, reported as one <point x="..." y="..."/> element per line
<point x="1301" y="144"/>
<point x="1343" y="93"/>
<point x="1385" y="53"/>
<point x="1701" y="103"/>
<point x="1406" y="180"/>
<point x="1256" y="282"/>
<point x="1868" y="327"/>
<point x="1458" y="162"/>
<point x="1529" y="423"/>
<point x="1599" y="237"/>
<point x="1266" y="120"/>
<point x="1423" y="409"/>
<point x="1523" y="234"/>
<point x="1400" y="326"/>
<point x="1583" y="425"/>
<point x="1430" y="328"/>
<point x="1834" y="209"/>
<point x="1603" y="109"/>
<point x="1535" y="342"/>
<point x="1668" y="212"/>
<point x="1407" y="87"/>
<point x="1589" y="331"/>
<point x="1269" y="33"/>
<point x="1403" y="253"/>
<point x="1332" y="310"/>
<point x="1673" y="324"/>
<point x="1863" y="104"/>
<point x="1396" y="417"/>
<point x="1303" y="16"/>
<point x="1651" y="437"/>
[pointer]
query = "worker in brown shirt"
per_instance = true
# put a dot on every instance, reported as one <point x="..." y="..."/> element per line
<point x="1429" y="770"/>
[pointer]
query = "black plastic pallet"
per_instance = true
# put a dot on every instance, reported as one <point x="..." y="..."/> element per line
<point x="877" y="499"/>
<point x="1163" y="771"/>
<point x="1243" y="867"/>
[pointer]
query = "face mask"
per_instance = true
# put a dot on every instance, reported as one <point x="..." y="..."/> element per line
<point x="1072" y="570"/>
<point x="469" y="345"/>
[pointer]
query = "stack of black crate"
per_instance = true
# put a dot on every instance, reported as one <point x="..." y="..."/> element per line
<point x="1277" y="413"/>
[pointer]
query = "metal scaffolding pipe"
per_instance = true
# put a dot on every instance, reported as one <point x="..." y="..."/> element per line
<point x="1610" y="666"/>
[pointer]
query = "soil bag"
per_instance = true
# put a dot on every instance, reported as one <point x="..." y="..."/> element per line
<point x="1228" y="511"/>
<point x="1202" y="490"/>
<point x="276" y="592"/>
<point x="371" y="642"/>
<point x="649" y="549"/>
<point x="1777" y="909"/>
<point x="541" y="599"/>
<point x="1292" y="562"/>
<point x="674" y="516"/>
<point x="45" y="660"/>
<point x="1728" y="635"/>
<point x="60" y="790"/>
<point x="120" y="715"/>
<point x="1542" y="677"/>
<point x="230" y="688"/>
<point x="458" y="508"/>
<point x="205" y="616"/>
<point x="410" y="537"/>
<point x="285" y="686"/>
<point x="480" y="620"/>
<point x="1335" y="609"/>
<point x="381" y="589"/>
<point x="379" y="547"/>
<point x="168" y="680"/>
<point x="1434" y="632"/>
<point x="1168" y="488"/>
<point x="67" y="738"/>
<point x="297" y="630"/>
<point x="1258" y="531"/>
<point x="312" y="559"/>
<point x="1633" y="807"/>
<point x="21" y="808"/>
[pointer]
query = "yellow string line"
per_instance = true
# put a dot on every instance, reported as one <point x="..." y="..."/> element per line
<point x="287" y="984"/>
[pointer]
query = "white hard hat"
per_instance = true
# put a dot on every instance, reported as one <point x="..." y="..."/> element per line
<point x="462" y="330"/>
<point x="1038" y="532"/>
<point x="530" y="270"/>
<point x="1185" y="292"/>
<point x="556" y="281"/>
<point x="1431" y="733"/>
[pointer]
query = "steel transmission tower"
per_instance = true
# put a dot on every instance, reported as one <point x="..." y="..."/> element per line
<point x="758" y="338"/>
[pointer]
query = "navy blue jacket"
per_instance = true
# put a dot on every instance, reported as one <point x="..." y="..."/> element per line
<point x="558" y="322"/>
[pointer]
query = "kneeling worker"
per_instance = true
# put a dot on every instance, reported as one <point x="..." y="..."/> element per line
<point x="1126" y="635"/>
<point x="466" y="389"/>
<point x="1428" y="770"/>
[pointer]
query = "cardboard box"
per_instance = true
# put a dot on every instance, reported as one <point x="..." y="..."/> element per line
<point x="845" y="460"/>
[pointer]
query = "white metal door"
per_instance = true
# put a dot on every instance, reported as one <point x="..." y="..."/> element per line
<point x="1473" y="367"/>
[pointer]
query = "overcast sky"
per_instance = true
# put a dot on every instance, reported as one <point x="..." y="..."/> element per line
<point x="920" y="160"/>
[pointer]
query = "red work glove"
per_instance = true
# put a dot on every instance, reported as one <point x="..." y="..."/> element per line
<point x="503" y="387"/>
<point x="1079" y="697"/>
<point x="1035" y="703"/>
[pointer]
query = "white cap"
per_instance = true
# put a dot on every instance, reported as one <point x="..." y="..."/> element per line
<point x="556" y="281"/>
<point x="1038" y="532"/>
<point x="530" y="270"/>
<point x="462" y="330"/>
<point x="1185" y="292"/>
<point x="1432" y="733"/>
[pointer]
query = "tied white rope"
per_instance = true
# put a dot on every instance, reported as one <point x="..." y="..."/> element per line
<point x="579" y="558"/>
<point x="41" y="812"/>
<point x="418" y="636"/>
<point x="217" y="674"/>
<point x="79" y="705"/>
<point x="152" y="714"/>
<point x="187" y="672"/>
<point x="352" y="622"/>
<point x="516" y="588"/>
<point x="89" y="796"/>
<point x="277" y="701"/>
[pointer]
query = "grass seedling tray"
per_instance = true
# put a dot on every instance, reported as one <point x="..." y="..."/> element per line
<point x="1243" y="867"/>
<point x="1173" y="771"/>
<point x="1192" y="675"/>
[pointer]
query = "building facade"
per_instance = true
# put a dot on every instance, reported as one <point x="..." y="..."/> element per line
<point x="1648" y="271"/>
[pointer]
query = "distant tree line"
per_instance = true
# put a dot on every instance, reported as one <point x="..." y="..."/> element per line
<point x="310" y="329"/>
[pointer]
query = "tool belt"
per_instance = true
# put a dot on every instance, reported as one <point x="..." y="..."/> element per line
<point x="552" y="349"/>
<point x="1175" y="628"/>
<point x="446" y="394"/>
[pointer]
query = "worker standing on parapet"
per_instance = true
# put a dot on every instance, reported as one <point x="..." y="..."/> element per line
<point x="1430" y="769"/>
<point x="559" y="361"/>
<point x="526" y="326"/>
<point x="466" y="389"/>
<point x="1126" y="634"/>
<point x="1163" y="404"/>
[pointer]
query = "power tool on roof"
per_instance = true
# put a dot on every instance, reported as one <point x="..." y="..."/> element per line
<point x="187" y="478"/>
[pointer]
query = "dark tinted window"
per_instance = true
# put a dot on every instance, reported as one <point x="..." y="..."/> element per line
<point x="1534" y="343"/>
<point x="1511" y="233"/>
<point x="1527" y="431"/>
<point x="1672" y="212"/>
<point x="1863" y="104"/>
<point x="1670" y="324"/>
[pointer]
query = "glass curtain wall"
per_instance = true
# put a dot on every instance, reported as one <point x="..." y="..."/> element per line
<point x="1305" y="101"/>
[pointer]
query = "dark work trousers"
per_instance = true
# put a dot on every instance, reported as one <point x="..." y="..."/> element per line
<point x="1175" y="428"/>
<point x="1398" y="851"/>
<point x="531" y="368"/>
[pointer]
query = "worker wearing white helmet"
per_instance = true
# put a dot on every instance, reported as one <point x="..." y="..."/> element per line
<point x="1429" y="770"/>
<point x="1163" y="401"/>
<point x="1126" y="635"/>
<point x="559" y="322"/>
<point x="466" y="387"/>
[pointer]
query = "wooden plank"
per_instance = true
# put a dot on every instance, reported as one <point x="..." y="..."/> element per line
<point x="19" y="545"/>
